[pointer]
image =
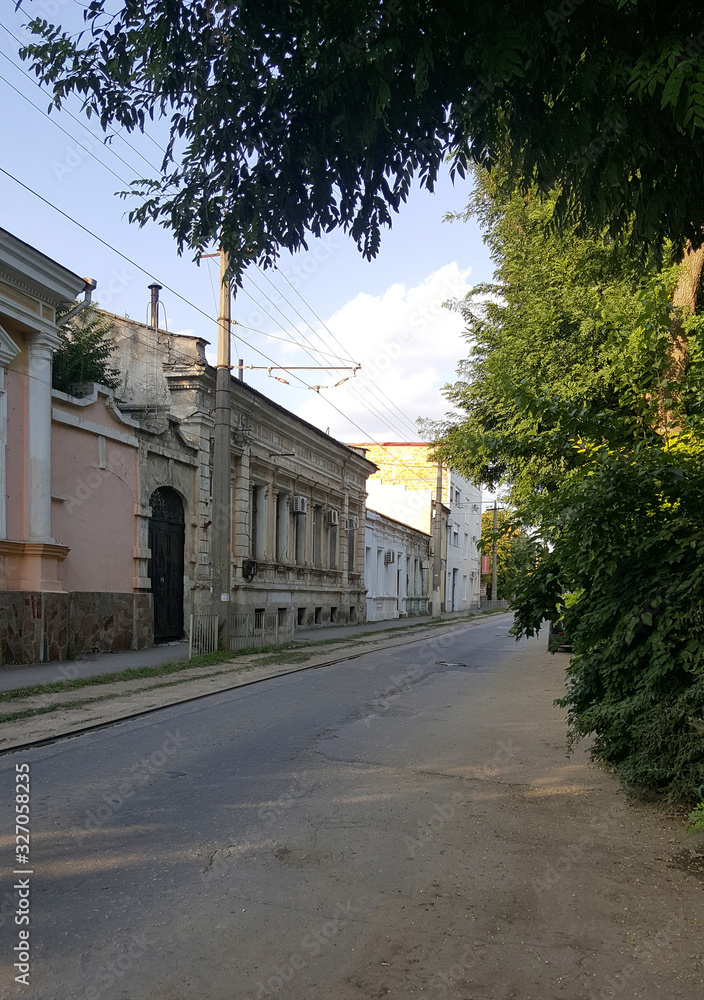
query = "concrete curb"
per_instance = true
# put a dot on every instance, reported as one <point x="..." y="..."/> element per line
<point x="230" y="686"/>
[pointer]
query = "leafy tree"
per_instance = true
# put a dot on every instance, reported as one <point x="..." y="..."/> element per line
<point x="568" y="372"/>
<point x="516" y="552"/>
<point x="85" y="352"/>
<point x="292" y="118"/>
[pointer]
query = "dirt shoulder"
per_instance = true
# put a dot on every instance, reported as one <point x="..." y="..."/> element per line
<point x="532" y="876"/>
<point x="52" y="710"/>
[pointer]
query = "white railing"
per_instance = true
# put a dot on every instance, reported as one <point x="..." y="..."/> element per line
<point x="202" y="635"/>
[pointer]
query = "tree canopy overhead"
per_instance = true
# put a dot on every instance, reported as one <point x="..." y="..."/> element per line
<point x="288" y="119"/>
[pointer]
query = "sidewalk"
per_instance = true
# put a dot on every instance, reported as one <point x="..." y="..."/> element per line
<point x="21" y="675"/>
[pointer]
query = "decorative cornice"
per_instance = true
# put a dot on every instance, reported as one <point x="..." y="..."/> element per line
<point x="9" y="548"/>
<point x="8" y="348"/>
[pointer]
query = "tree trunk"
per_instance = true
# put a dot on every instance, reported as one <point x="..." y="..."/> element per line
<point x="684" y="302"/>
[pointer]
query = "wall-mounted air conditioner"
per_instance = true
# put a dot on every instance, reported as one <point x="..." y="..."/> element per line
<point x="299" y="505"/>
<point x="389" y="557"/>
<point x="352" y="523"/>
<point x="333" y="517"/>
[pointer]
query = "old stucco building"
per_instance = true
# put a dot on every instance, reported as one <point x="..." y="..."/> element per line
<point x="298" y="495"/>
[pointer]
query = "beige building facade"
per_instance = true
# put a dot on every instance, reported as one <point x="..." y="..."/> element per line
<point x="298" y="495"/>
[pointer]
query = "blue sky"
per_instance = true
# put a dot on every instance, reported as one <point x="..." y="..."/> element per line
<point x="386" y="314"/>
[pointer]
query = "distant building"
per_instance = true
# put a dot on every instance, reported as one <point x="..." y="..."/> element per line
<point x="405" y="487"/>
<point x="396" y="564"/>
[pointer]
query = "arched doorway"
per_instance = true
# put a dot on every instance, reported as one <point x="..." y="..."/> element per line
<point x="166" y="536"/>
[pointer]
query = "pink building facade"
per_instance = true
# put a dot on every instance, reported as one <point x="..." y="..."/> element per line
<point x="69" y="485"/>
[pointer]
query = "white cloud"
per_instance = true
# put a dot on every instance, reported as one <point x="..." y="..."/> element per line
<point x="408" y="345"/>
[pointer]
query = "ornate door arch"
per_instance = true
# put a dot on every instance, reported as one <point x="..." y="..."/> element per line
<point x="166" y="538"/>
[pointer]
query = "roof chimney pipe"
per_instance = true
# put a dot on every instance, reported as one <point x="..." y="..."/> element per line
<point x="155" y="289"/>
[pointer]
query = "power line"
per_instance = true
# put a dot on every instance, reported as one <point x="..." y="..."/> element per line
<point x="329" y="331"/>
<point x="61" y="128"/>
<point x="210" y="319"/>
<point x="83" y="125"/>
<point x="371" y="391"/>
<point x="370" y="400"/>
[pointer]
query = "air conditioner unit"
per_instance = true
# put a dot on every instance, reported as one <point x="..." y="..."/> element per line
<point x="389" y="557"/>
<point x="333" y="517"/>
<point x="352" y="523"/>
<point x="299" y="505"/>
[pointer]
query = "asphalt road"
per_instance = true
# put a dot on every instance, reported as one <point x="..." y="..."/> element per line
<point x="308" y="837"/>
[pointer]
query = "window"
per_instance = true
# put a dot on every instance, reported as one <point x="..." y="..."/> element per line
<point x="353" y="613"/>
<point x="258" y="522"/>
<point x="333" y="614"/>
<point x="464" y="588"/>
<point x="299" y="538"/>
<point x="351" y="550"/>
<point x="282" y="519"/>
<point x="456" y="539"/>
<point x="301" y="616"/>
<point x="318" y="617"/>
<point x="333" y="545"/>
<point x="465" y="551"/>
<point x="281" y="617"/>
<point x="259" y="618"/>
<point x="317" y="536"/>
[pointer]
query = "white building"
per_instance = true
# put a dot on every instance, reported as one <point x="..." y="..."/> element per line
<point x="405" y="488"/>
<point x="396" y="561"/>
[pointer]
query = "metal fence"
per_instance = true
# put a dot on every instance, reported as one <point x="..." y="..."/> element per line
<point x="255" y="628"/>
<point x="260" y="628"/>
<point x="501" y="605"/>
<point x="202" y="635"/>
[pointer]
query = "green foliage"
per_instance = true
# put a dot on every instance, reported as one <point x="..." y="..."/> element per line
<point x="567" y="370"/>
<point x="85" y="352"/>
<point x="516" y="552"/>
<point x="291" y="118"/>
<point x="695" y="820"/>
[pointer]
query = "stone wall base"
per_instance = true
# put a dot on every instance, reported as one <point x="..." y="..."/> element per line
<point x="41" y="627"/>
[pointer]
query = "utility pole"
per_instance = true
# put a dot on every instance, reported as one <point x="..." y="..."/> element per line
<point x="437" y="548"/>
<point x="493" y="560"/>
<point x="221" y="540"/>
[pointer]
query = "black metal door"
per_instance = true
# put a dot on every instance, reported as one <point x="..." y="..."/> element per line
<point x="166" y="535"/>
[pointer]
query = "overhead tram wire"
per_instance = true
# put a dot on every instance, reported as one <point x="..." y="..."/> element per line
<point x="63" y="109"/>
<point x="122" y="179"/>
<point x="356" y="389"/>
<point x="370" y="390"/>
<point x="370" y="398"/>
<point x="129" y="260"/>
<point x="329" y="331"/>
<point x="366" y="403"/>
<point x="202" y="312"/>
<point x="378" y="392"/>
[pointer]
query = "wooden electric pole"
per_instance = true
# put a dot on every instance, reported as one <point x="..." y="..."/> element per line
<point x="493" y="560"/>
<point x="221" y="536"/>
